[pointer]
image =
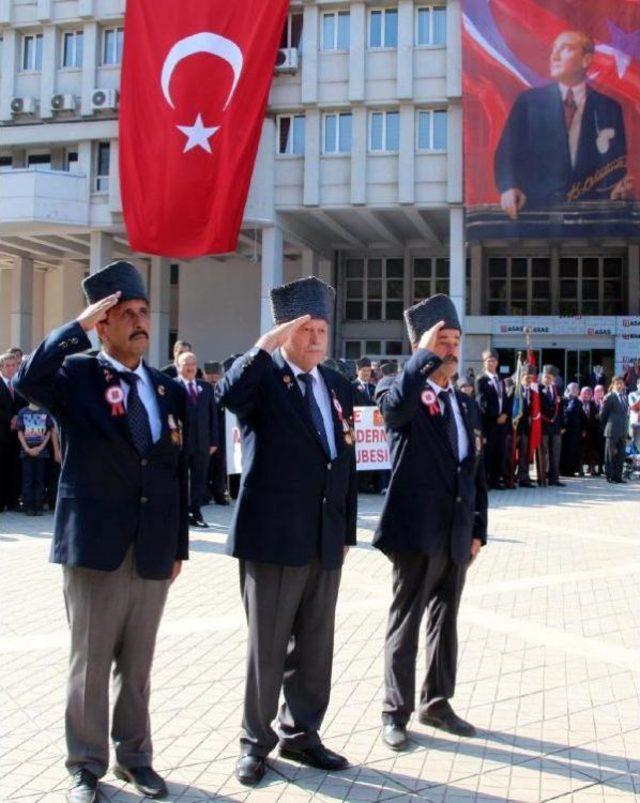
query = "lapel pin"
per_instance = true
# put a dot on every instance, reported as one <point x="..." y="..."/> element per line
<point x="161" y="390"/>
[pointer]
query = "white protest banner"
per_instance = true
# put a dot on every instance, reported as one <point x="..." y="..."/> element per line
<point x="372" y="452"/>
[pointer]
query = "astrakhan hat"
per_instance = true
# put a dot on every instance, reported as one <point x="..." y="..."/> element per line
<point x="425" y="314"/>
<point x="213" y="368"/>
<point x="310" y="296"/>
<point x="363" y="362"/>
<point x="119" y="275"/>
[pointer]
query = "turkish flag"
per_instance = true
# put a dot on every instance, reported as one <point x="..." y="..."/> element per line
<point x="195" y="83"/>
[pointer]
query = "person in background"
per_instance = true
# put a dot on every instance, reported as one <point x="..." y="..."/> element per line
<point x="523" y="427"/>
<point x="363" y="387"/>
<point x="491" y="398"/>
<point x="11" y="402"/>
<point x="634" y="416"/>
<point x="465" y="385"/>
<point x="615" y="419"/>
<point x="552" y="413"/>
<point x="202" y="433"/>
<point x="217" y="478"/>
<point x="631" y="377"/>
<point x="34" y="433"/>
<point x="597" y="377"/>
<point x="571" y="458"/>
<point x="179" y="347"/>
<point x="599" y="393"/>
<point x="590" y="424"/>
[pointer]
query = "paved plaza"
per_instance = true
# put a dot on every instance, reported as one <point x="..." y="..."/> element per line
<point x="549" y="666"/>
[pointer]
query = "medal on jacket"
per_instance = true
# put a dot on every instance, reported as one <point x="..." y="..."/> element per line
<point x="175" y="430"/>
<point x="428" y="398"/>
<point x="115" y="397"/>
<point x="349" y="438"/>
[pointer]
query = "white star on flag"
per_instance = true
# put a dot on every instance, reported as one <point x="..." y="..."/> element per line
<point x="198" y="135"/>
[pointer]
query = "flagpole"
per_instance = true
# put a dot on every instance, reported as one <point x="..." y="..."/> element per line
<point x="514" y="422"/>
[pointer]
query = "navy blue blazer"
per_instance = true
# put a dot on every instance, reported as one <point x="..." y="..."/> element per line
<point x="294" y="502"/>
<point x="363" y="393"/>
<point x="203" y="420"/>
<point x="489" y="402"/>
<point x="109" y="497"/>
<point x="9" y="407"/>
<point x="432" y="501"/>
<point x="533" y="152"/>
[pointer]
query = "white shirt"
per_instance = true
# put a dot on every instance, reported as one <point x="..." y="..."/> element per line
<point x="580" y="97"/>
<point x="146" y="392"/>
<point x="463" y="438"/>
<point x="187" y="383"/>
<point x="323" y="400"/>
<point x="495" y="381"/>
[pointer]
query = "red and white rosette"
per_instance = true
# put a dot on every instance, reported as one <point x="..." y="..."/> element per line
<point x="115" y="397"/>
<point x="430" y="401"/>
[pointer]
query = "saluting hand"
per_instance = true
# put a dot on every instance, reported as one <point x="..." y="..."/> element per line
<point x="96" y="313"/>
<point x="430" y="337"/>
<point x="279" y="335"/>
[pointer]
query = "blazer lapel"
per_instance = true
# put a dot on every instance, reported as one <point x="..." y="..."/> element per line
<point x="109" y="378"/>
<point x="560" y="126"/>
<point x="160" y="388"/>
<point x="463" y="404"/>
<point x="333" y="396"/>
<point x="293" y="395"/>
<point x="437" y="425"/>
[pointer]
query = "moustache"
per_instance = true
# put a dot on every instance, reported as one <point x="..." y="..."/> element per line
<point x="450" y="358"/>
<point x="139" y="334"/>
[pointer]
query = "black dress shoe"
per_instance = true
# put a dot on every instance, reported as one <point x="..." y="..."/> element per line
<point x="145" y="779"/>
<point x="84" y="787"/>
<point x="395" y="736"/>
<point x="446" y="719"/>
<point x="320" y="757"/>
<point x="250" y="769"/>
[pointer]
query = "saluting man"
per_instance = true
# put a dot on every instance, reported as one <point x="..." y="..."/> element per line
<point x="434" y="519"/>
<point x="120" y="528"/>
<point x="295" y="518"/>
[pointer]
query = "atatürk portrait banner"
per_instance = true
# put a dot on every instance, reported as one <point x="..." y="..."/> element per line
<point x="551" y="118"/>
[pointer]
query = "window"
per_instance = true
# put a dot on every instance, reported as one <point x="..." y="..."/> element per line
<point x="519" y="286"/>
<point x="374" y="289"/>
<point x="430" y="276"/>
<point x="591" y="286"/>
<point x="72" y="49"/>
<point x="354" y="349"/>
<point x="70" y="160"/>
<point x="335" y="30"/>
<point x="337" y="133"/>
<point x="34" y="159"/>
<point x="292" y="32"/>
<point x="112" y="40"/>
<point x="32" y="52"/>
<point x="384" y="131"/>
<point x="431" y="25"/>
<point x="432" y="130"/>
<point x="174" y="274"/>
<point x="102" y="167"/>
<point x="383" y="27"/>
<point x="291" y="134"/>
<point x="6" y="162"/>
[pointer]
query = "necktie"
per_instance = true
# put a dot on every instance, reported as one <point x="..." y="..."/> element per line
<point x="449" y="421"/>
<point x="12" y="392"/>
<point x="137" y="414"/>
<point x="570" y="108"/>
<point x="314" y="411"/>
<point x="193" y="396"/>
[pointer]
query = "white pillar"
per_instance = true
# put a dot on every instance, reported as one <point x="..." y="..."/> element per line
<point x="159" y="302"/>
<point x="22" y="303"/>
<point x="101" y="250"/>
<point x="8" y="71"/>
<point x="311" y="191"/>
<point x="358" y="34"/>
<point x="310" y="25"/>
<point x="271" y="272"/>
<point x="457" y="259"/>
<point x="310" y="263"/>
<point x="89" y="65"/>
<point x="404" y="76"/>
<point x="49" y="56"/>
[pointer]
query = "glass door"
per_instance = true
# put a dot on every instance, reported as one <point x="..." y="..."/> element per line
<point x="577" y="366"/>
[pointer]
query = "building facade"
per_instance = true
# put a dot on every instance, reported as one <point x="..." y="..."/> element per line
<point x="358" y="180"/>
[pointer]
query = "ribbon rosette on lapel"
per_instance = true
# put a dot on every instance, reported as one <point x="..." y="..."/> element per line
<point x="115" y="397"/>
<point x="430" y="400"/>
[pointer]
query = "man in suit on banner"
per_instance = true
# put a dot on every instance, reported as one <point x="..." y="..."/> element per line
<point x="294" y="521"/>
<point x="563" y="142"/>
<point x="434" y="518"/>
<point x="491" y="396"/>
<point x="120" y="526"/>
<point x="202" y="441"/>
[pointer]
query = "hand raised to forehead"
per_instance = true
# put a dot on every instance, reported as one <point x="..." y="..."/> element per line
<point x="279" y="335"/>
<point x="97" y="313"/>
<point x="430" y="337"/>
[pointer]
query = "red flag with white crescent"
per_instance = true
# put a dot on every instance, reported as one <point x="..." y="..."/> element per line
<point x="195" y="83"/>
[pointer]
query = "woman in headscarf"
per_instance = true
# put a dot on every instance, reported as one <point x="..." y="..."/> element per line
<point x="571" y="458"/>
<point x="599" y="393"/>
<point x="589" y="419"/>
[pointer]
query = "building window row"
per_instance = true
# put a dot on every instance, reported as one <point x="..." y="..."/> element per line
<point x="374" y="289"/>
<point x="71" y="49"/>
<point x="354" y="349"/>
<point x="383" y="136"/>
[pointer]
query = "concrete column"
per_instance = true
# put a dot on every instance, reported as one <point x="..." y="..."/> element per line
<point x="101" y="250"/>
<point x="457" y="258"/>
<point x="115" y="202"/>
<point x="358" y="155"/>
<point x="43" y="14"/>
<point x="454" y="49"/>
<point x="8" y="71"/>
<point x="633" y="280"/>
<point x="89" y="65"/>
<point x="357" y="35"/>
<point x="22" y="303"/>
<point x="5" y="12"/>
<point x="159" y="302"/>
<point x="311" y="192"/>
<point x="85" y="9"/>
<point x="271" y="272"/>
<point x="310" y="263"/>
<point x="325" y="270"/>
<point x="476" y="281"/>
<point x="48" y="80"/>
<point x="454" y="153"/>
<point x="406" y="156"/>
<point x="404" y="78"/>
<point x="310" y="54"/>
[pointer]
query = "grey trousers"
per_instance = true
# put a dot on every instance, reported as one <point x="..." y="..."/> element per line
<point x="421" y="583"/>
<point x="551" y="448"/>
<point x="291" y="617"/>
<point x="114" y="619"/>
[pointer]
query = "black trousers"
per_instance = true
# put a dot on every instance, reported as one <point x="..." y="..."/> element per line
<point x="614" y="451"/>
<point x="291" y="618"/>
<point x="198" y="467"/>
<point x="10" y="473"/>
<point x="421" y="583"/>
<point x="523" y="457"/>
<point x="494" y="452"/>
<point x="217" y="479"/>
<point x="33" y="469"/>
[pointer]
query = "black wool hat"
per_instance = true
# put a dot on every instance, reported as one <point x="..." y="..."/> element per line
<point x="425" y="314"/>
<point x="119" y="275"/>
<point x="212" y="368"/>
<point x="363" y="362"/>
<point x="310" y="296"/>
